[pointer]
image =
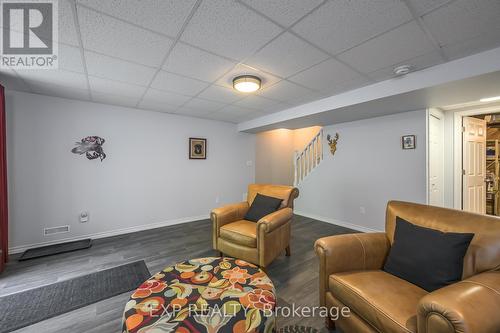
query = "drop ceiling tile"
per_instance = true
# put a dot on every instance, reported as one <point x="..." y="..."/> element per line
<point x="70" y="58"/>
<point x="418" y="63"/>
<point x="330" y="73"/>
<point x="250" y="116"/>
<point x="424" y="6"/>
<point x="284" y="12"/>
<point x="222" y="117"/>
<point x="220" y="94"/>
<point x="67" y="31"/>
<point x="195" y="63"/>
<point x="119" y="70"/>
<point x="285" y="91"/>
<point x="341" y="24"/>
<point x="115" y="38"/>
<point x="107" y="98"/>
<point x="163" y="16"/>
<point x="186" y="111"/>
<point x="178" y="84"/>
<point x="229" y="29"/>
<point x="11" y="81"/>
<point x="37" y="78"/>
<point x="463" y="20"/>
<point x="168" y="99"/>
<point x="106" y="86"/>
<point x="305" y="98"/>
<point x="395" y="46"/>
<point x="154" y="105"/>
<point x="241" y="69"/>
<point x="237" y="110"/>
<point x="286" y="55"/>
<point x="235" y="114"/>
<point x="276" y="108"/>
<point x="258" y="103"/>
<point x="471" y="46"/>
<point x="203" y="105"/>
<point x="355" y="83"/>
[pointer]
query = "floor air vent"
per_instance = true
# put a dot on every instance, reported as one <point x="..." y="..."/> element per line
<point x="56" y="230"/>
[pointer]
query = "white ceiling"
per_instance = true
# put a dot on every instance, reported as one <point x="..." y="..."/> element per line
<point x="179" y="56"/>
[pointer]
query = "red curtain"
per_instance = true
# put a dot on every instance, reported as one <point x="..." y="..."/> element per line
<point x="4" y="232"/>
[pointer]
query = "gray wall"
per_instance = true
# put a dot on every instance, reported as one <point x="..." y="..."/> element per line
<point x="146" y="180"/>
<point x="369" y="168"/>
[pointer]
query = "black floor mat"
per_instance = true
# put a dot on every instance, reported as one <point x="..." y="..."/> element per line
<point x="34" y="305"/>
<point x="56" y="249"/>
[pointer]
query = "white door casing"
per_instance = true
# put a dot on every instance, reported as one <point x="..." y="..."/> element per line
<point x="474" y="165"/>
<point x="436" y="158"/>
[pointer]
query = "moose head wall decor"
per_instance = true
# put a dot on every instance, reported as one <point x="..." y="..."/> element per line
<point x="332" y="142"/>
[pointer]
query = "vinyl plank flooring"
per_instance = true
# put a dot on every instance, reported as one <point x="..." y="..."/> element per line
<point x="295" y="277"/>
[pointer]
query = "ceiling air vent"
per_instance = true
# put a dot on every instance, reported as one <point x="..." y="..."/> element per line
<point x="56" y="230"/>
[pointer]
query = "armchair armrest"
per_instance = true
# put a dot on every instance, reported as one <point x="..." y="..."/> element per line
<point x="224" y="215"/>
<point x="468" y="306"/>
<point x="274" y="220"/>
<point x="351" y="252"/>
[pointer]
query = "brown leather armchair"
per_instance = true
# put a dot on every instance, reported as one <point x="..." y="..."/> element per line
<point x="260" y="242"/>
<point x="351" y="275"/>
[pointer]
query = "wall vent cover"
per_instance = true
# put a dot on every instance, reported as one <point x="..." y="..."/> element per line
<point x="56" y="230"/>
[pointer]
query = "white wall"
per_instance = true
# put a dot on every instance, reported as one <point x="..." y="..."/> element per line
<point x="275" y="151"/>
<point x="449" y="163"/>
<point x="368" y="169"/>
<point x="274" y="157"/>
<point x="146" y="180"/>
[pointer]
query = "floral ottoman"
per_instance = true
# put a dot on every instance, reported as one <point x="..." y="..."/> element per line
<point x="213" y="295"/>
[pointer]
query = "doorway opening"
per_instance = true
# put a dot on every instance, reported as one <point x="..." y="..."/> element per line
<point x="464" y="157"/>
<point x="492" y="162"/>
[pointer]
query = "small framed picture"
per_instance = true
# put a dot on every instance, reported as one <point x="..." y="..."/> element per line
<point x="408" y="141"/>
<point x="197" y="149"/>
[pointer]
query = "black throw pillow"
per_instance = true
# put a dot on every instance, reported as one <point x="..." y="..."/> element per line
<point x="428" y="258"/>
<point x="261" y="206"/>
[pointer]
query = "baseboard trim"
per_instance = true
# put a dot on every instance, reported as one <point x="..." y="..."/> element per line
<point x="104" y="234"/>
<point x="336" y="222"/>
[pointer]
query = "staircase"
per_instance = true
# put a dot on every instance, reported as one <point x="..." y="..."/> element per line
<point x="309" y="158"/>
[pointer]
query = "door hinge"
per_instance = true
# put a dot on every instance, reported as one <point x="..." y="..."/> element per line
<point x="463" y="172"/>
<point x="463" y="129"/>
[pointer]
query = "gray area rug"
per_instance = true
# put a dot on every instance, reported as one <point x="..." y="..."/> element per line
<point x="56" y="249"/>
<point x="31" y="306"/>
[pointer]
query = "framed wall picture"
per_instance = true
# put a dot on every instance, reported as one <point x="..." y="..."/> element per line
<point x="197" y="149"/>
<point x="408" y="141"/>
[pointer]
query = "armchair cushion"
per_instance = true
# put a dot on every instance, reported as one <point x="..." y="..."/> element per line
<point x="386" y="302"/>
<point x="261" y="206"/>
<point x="429" y="258"/>
<point x="240" y="232"/>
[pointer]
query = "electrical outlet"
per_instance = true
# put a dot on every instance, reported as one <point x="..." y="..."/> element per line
<point x="249" y="163"/>
<point x="84" y="217"/>
<point x="362" y="210"/>
<point x="217" y="199"/>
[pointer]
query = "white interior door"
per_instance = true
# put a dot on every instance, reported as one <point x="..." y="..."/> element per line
<point x="474" y="165"/>
<point x="436" y="159"/>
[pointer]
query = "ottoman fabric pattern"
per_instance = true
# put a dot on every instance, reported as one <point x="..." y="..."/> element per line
<point x="211" y="294"/>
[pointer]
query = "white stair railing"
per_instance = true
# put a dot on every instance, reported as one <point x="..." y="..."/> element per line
<point x="308" y="159"/>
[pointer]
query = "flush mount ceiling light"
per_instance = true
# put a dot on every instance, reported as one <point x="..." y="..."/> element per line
<point x="490" y="99"/>
<point x="246" y="83"/>
<point x="402" y="70"/>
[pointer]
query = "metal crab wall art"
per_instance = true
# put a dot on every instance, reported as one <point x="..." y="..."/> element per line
<point x="332" y="142"/>
<point x="91" y="146"/>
